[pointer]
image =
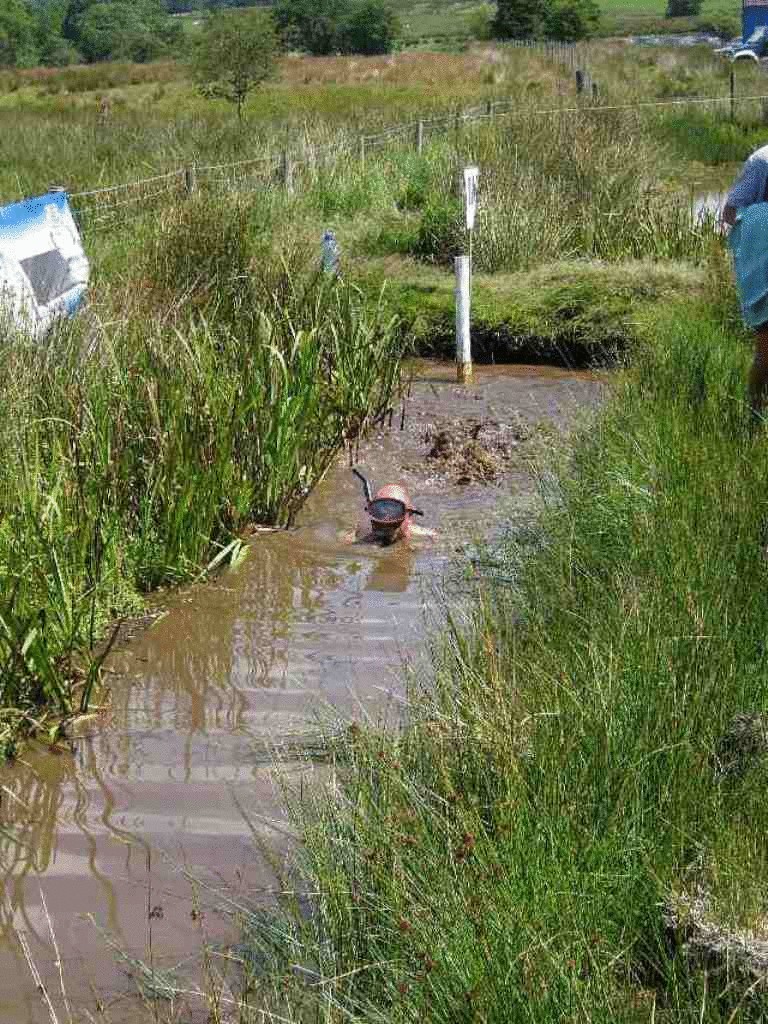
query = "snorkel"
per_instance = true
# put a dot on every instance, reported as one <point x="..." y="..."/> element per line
<point x="389" y="510"/>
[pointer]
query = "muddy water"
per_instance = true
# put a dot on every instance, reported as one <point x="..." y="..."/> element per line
<point x="176" y="776"/>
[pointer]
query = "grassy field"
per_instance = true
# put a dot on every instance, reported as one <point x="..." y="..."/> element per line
<point x="429" y="23"/>
<point x="158" y="123"/>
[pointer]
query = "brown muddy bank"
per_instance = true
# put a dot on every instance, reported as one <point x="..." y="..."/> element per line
<point x="176" y="778"/>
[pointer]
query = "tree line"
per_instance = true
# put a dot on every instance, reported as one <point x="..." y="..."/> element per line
<point x="60" y="32"/>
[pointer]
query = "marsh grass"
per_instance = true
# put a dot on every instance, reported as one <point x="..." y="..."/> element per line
<point x="218" y="295"/>
<point x="140" y="441"/>
<point x="509" y="855"/>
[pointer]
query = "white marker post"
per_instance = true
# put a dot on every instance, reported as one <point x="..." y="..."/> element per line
<point x="463" y="265"/>
<point x="463" y="343"/>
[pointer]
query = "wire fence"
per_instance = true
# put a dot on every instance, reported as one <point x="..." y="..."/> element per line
<point x="94" y="207"/>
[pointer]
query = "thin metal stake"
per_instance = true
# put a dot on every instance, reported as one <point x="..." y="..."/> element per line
<point x="732" y="84"/>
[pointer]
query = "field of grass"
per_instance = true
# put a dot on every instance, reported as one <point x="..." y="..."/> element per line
<point x="158" y="123"/>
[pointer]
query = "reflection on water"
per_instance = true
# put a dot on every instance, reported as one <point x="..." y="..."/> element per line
<point x="307" y="627"/>
<point x="708" y="208"/>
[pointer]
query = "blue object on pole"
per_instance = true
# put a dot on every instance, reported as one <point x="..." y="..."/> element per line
<point x="331" y="254"/>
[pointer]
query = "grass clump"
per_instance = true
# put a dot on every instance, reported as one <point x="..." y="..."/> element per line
<point x="575" y="313"/>
<point x="514" y="852"/>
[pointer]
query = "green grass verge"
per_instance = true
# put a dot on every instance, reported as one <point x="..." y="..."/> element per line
<point x="575" y="313"/>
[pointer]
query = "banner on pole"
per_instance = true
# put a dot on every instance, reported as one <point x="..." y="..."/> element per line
<point x="43" y="267"/>
<point x="471" y="175"/>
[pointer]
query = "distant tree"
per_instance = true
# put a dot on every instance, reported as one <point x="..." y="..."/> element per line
<point x="323" y="27"/>
<point x="545" y="19"/>
<point x="571" y="20"/>
<point x="236" y="52"/>
<point x="18" y="35"/>
<point x="316" y="26"/>
<point x="520" y="19"/>
<point x="371" y="27"/>
<point x="74" y="11"/>
<point x="481" y="22"/>
<point x="683" y="8"/>
<point x="138" y="30"/>
<point x="55" y="50"/>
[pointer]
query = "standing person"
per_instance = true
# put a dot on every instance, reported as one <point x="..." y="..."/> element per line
<point x="746" y="212"/>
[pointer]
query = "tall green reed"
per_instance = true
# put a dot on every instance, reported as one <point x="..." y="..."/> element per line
<point x="141" y="439"/>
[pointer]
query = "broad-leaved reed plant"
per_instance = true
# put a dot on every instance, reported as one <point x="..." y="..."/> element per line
<point x="139" y="443"/>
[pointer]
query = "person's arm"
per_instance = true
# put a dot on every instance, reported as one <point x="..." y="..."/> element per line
<point x="729" y="215"/>
<point x="748" y="188"/>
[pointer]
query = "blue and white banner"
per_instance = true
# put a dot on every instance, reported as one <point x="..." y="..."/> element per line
<point x="43" y="268"/>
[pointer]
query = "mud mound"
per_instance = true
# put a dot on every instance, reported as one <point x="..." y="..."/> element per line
<point x="708" y="943"/>
<point x="475" y="452"/>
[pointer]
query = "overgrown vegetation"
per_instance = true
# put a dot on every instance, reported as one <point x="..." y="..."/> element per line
<point x="559" y="796"/>
<point x="138" y="448"/>
<point x="535" y="845"/>
<point x="181" y="277"/>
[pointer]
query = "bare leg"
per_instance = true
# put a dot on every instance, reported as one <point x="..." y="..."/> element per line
<point x="758" y="374"/>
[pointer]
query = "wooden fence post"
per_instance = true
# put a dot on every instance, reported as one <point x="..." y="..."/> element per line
<point x="190" y="180"/>
<point x="420" y="137"/>
<point x="489" y="109"/>
<point x="362" y="150"/>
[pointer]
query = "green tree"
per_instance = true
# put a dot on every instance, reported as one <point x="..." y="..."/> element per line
<point x="138" y="30"/>
<point x="571" y="20"/>
<point x="322" y="27"/>
<point x="682" y="8"/>
<point x="550" y="19"/>
<point x="520" y="19"/>
<point x="236" y="52"/>
<point x="54" y="48"/>
<point x="73" y="13"/>
<point x="371" y="27"/>
<point x="18" y="35"/>
<point x="316" y="26"/>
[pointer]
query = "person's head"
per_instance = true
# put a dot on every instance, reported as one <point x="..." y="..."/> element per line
<point x="390" y="515"/>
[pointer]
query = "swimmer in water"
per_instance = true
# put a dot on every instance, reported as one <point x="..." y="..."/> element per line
<point x="390" y="517"/>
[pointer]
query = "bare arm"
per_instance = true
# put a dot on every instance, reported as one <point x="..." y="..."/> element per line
<point x="729" y="214"/>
